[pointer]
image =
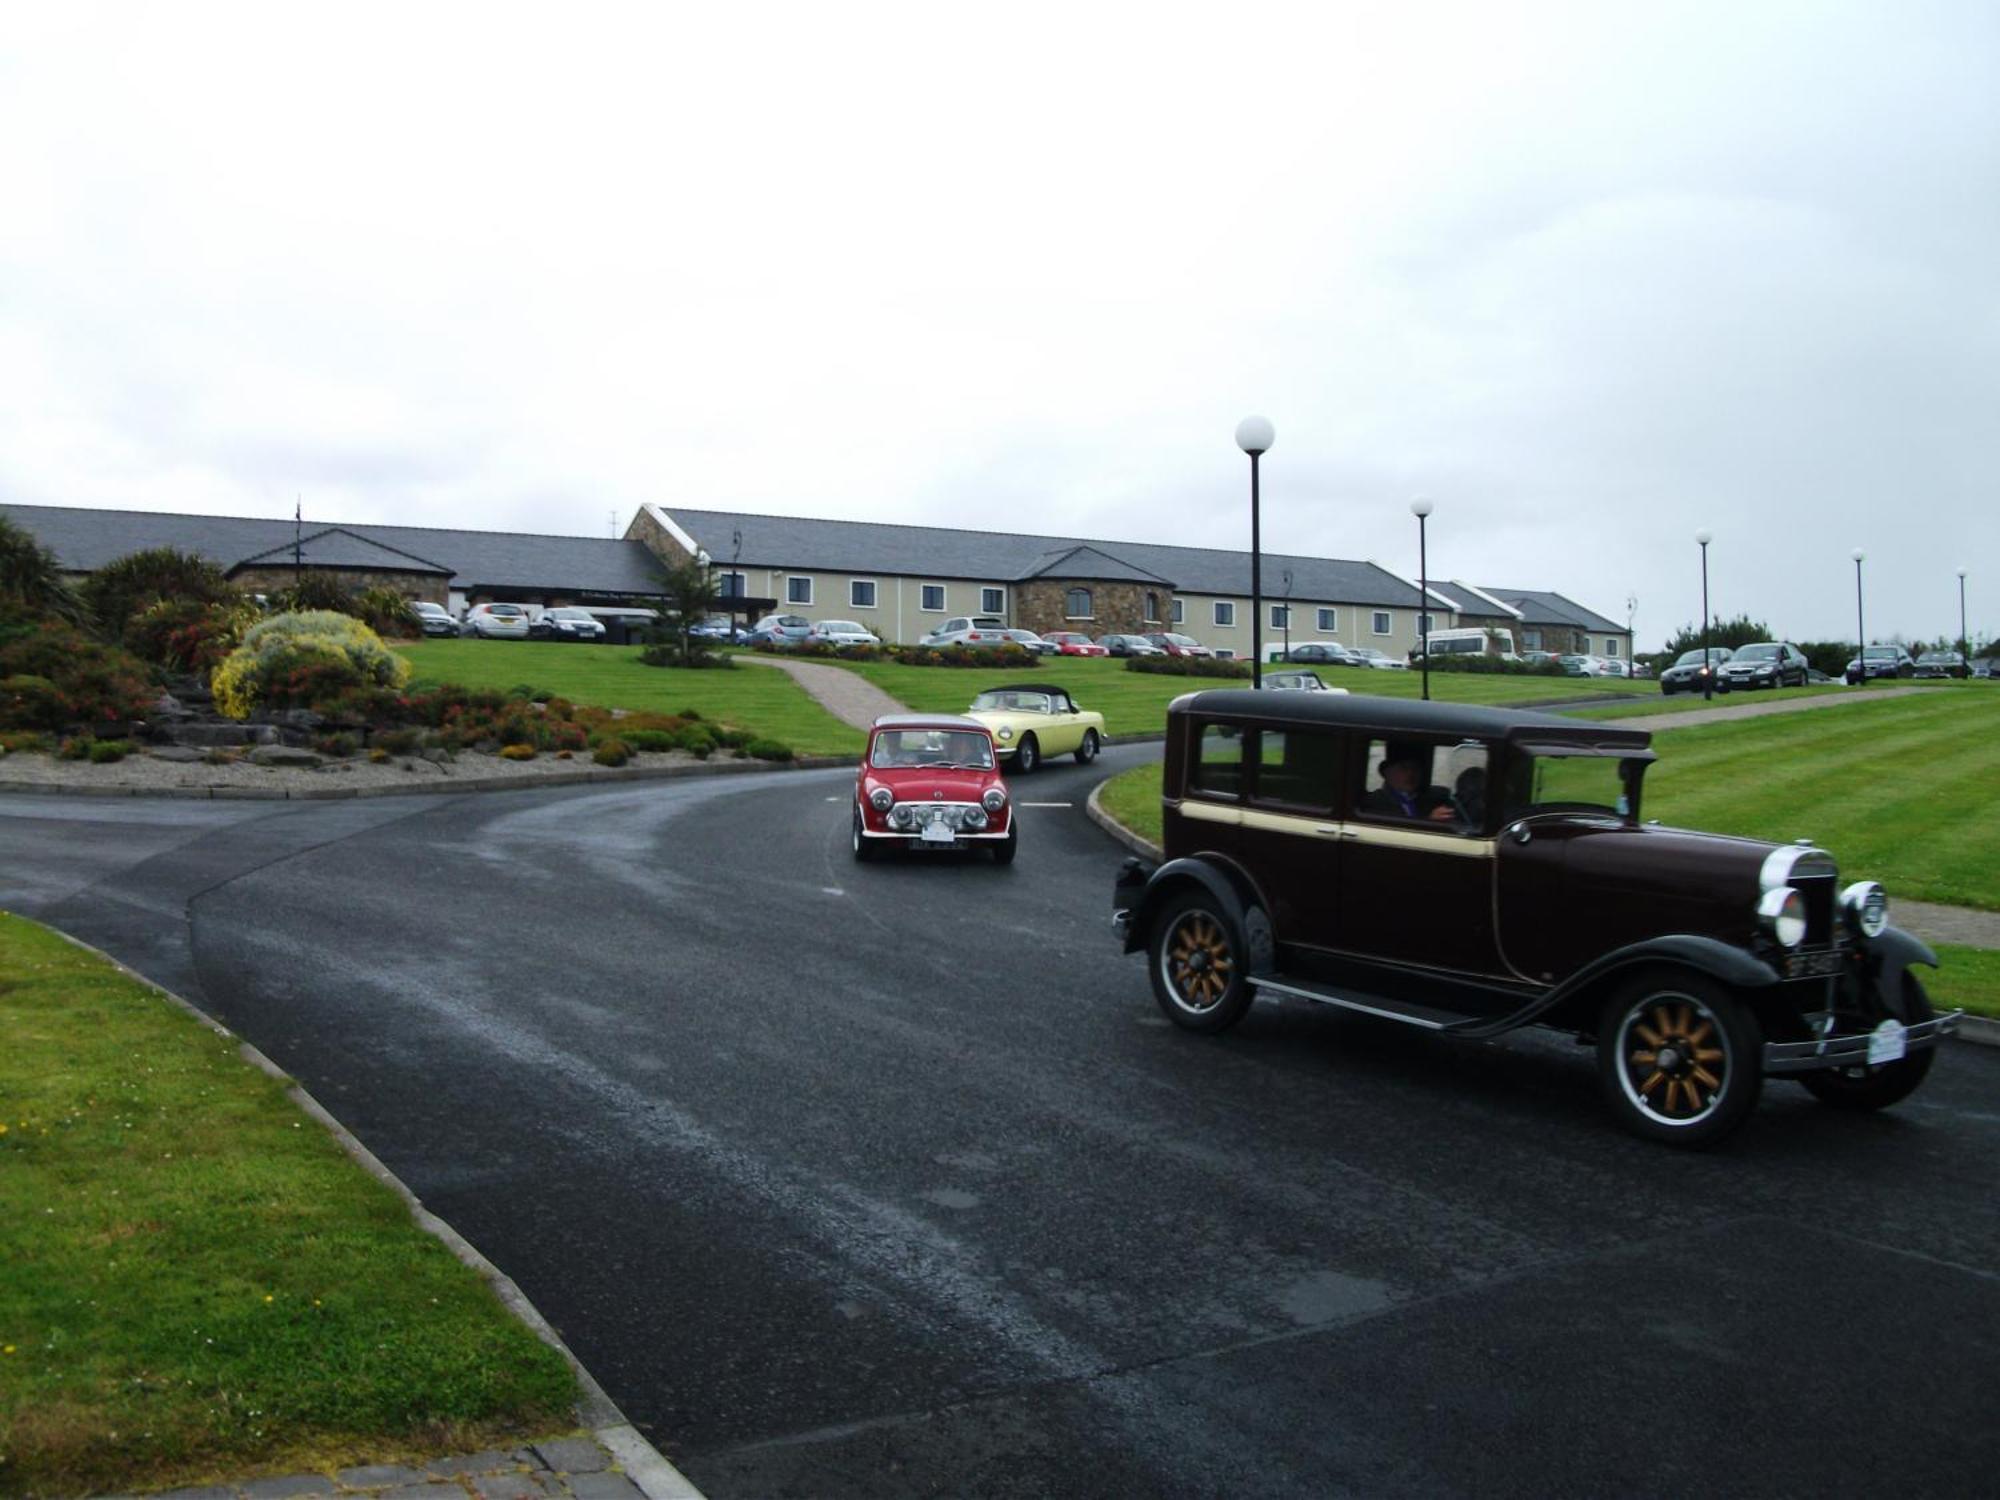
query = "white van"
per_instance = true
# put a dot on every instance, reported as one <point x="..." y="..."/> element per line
<point x="1475" y="640"/>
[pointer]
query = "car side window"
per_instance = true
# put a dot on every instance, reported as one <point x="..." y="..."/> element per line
<point x="1297" y="768"/>
<point x="1441" y="788"/>
<point x="1221" y="751"/>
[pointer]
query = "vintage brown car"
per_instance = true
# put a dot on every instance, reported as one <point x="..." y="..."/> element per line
<point x="1473" y="870"/>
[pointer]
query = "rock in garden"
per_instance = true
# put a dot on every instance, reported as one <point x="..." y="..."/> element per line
<point x="186" y="754"/>
<point x="284" y="755"/>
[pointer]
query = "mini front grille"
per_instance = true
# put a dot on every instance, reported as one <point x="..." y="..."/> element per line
<point x="1818" y="893"/>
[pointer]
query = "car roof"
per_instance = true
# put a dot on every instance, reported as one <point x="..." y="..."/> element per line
<point x="1406" y="716"/>
<point x="927" y="721"/>
<point x="1024" y="687"/>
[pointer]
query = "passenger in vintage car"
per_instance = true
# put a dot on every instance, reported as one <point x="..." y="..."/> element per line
<point x="1403" y="793"/>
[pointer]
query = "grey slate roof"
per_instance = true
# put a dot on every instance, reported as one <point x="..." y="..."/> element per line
<point x="337" y="547"/>
<point x="85" y="540"/>
<point x="1090" y="563"/>
<point x="1538" y="607"/>
<point x="994" y="557"/>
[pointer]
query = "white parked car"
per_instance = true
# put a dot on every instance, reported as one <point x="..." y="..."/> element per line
<point x="842" y="633"/>
<point x="1381" y="661"/>
<point x="496" y="622"/>
<point x="981" y="632"/>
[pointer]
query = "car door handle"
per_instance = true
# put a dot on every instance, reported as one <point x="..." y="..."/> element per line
<point x="1335" y="831"/>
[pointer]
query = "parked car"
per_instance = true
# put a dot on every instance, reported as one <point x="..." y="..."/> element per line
<point x="1326" y="653"/>
<point x="980" y="632"/>
<point x="1033" y="644"/>
<point x="779" y="630"/>
<point x="1129" y="645"/>
<point x="434" y="618"/>
<point x="1941" y="664"/>
<point x="719" y="628"/>
<point x="1536" y="658"/>
<point x="842" y="633"/>
<point x="1031" y="721"/>
<point x="1987" y="667"/>
<point x="1614" y="666"/>
<point x="1883" y="661"/>
<point x="1380" y="661"/>
<point x="566" y="624"/>
<point x="931" y="781"/>
<point x="1297" y="682"/>
<point x="1768" y="664"/>
<point x="1688" y="671"/>
<point x="1175" y="644"/>
<point x="495" y="622"/>
<point x="1472" y="871"/>
<point x="1074" y="643"/>
<point x="1579" y="664"/>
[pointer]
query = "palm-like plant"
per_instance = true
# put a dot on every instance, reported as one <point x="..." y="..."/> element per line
<point x="31" y="580"/>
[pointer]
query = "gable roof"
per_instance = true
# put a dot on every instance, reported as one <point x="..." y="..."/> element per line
<point x="1539" y="607"/>
<point x="1089" y="563"/>
<point x="337" y="547"/>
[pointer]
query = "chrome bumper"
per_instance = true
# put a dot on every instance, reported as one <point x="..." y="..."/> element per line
<point x="1851" y="1050"/>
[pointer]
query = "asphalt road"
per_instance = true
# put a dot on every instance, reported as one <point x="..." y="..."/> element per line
<point x="891" y="1180"/>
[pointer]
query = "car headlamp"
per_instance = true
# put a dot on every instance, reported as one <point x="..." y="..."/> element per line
<point x="974" y="818"/>
<point x="1866" y="906"/>
<point x="1783" y="913"/>
<point x="1006" y="733"/>
<point x="900" y="817"/>
<point x="881" y="799"/>
<point x="994" y="800"/>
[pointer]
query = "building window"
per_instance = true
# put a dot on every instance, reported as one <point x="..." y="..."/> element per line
<point x="1611" y="647"/>
<point x="992" y="601"/>
<point x="1281" y="617"/>
<point x="860" y="593"/>
<point x="798" y="590"/>
<point x="1076" y="604"/>
<point x="730" y="586"/>
<point x="1532" y="639"/>
<point x="1381" y="622"/>
<point x="1152" y="609"/>
<point x="1329" y="620"/>
<point x="1425" y="625"/>
<point x="1225" y="612"/>
<point x="1180" y="612"/>
<point x="933" y="598"/>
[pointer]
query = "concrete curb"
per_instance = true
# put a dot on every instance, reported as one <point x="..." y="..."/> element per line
<point x="1981" y="1031"/>
<point x="644" y="1464"/>
<point x="582" y="776"/>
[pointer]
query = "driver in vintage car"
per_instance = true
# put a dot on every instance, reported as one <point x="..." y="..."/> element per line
<point x="1403" y="793"/>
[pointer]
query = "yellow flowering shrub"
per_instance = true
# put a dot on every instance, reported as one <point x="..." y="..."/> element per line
<point x="301" y="659"/>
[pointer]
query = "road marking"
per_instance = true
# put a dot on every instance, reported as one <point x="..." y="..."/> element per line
<point x="1045" y="804"/>
<point x="833" y="799"/>
<point x="831" y="890"/>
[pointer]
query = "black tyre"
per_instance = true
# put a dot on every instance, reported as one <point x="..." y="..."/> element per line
<point x="1087" y="751"/>
<point x="1028" y="755"/>
<point x="1003" y="853"/>
<point x="1679" y="1059"/>
<point x="1886" y="1083"/>
<point x="864" y="849"/>
<point x="1197" y="960"/>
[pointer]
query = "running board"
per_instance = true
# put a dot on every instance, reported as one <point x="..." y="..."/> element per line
<point x="1369" y="1005"/>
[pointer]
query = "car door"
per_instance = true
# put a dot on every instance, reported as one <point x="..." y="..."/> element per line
<point x="1065" y="730"/>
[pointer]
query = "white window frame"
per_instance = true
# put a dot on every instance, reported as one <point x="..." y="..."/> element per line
<point x="930" y="609"/>
<point x="792" y="598"/>
<point x="722" y="584"/>
<point x="1281" y="617"/>
<point x="1089" y="600"/>
<point x="987" y="604"/>
<point x="1215" y="612"/>
<point x="874" y="593"/>
<point x="1384" y="622"/>
<point x="1328" y="621"/>
<point x="1426" y="625"/>
<point x="1611" y="648"/>
<point x="1178" y="611"/>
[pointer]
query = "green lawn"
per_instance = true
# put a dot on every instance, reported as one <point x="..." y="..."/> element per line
<point x="1136" y="702"/>
<point x="1658" y="702"/>
<point x="1966" y="978"/>
<point x="195" y="1280"/>
<point x="759" y="699"/>
<point x="1904" y="791"/>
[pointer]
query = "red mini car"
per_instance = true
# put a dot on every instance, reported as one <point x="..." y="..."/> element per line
<point x="931" y="781"/>
<point x="1072" y="643"/>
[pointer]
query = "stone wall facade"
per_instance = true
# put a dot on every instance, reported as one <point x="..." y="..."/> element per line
<point x="659" y="541"/>
<point x="432" y="587"/>
<point x="1041" y="605"/>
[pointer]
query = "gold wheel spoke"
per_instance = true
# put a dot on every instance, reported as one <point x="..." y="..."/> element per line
<point x="1649" y="1036"/>
<point x="1645" y="1059"/>
<point x="1648" y="1086"/>
<point x="1700" y="1033"/>
<point x="1714" y="1083"/>
<point x="1708" y="1054"/>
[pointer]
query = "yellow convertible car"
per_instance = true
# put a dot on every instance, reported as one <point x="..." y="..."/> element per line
<point x="1031" y="721"/>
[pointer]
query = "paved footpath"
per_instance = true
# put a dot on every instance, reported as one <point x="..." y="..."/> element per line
<point x="1687" y="717"/>
<point x="848" y="696"/>
<point x="574" y="1466"/>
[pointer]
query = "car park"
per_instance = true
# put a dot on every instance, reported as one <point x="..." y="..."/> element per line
<point x="1326" y="654"/>
<point x="1941" y="664"/>
<point x="434" y="619"/>
<point x="842" y="633"/>
<point x="1129" y="645"/>
<point x="1472" y="871"/>
<point x="979" y="632"/>
<point x="1031" y="643"/>
<point x="931" y="782"/>
<point x="1175" y="644"/>
<point x="1883" y="661"/>
<point x="1075" y="643"/>
<point x="1579" y="664"/>
<point x="566" y="623"/>
<point x="1031" y="721"/>
<point x="495" y="622"/>
<point x="1767" y="664"/>
<point x="1297" y="682"/>
<point x="1690" y="674"/>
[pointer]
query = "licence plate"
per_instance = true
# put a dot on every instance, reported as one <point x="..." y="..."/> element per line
<point x="937" y="833"/>
<point x="1886" y="1043"/>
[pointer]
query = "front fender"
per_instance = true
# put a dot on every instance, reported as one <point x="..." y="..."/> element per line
<point x="1886" y="957"/>
<point x="1720" y="961"/>
<point x="1233" y="894"/>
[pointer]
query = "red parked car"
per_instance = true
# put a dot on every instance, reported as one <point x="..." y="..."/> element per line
<point x="931" y="781"/>
<point x="1072" y="643"/>
<point x="1175" y="644"/>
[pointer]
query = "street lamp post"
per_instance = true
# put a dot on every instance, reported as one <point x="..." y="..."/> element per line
<point x="1421" y="509"/>
<point x="1860" y="627"/>
<point x="1254" y="436"/>
<point x="1703" y="537"/>
<point x="1964" y="641"/>
<point x="1288" y="607"/>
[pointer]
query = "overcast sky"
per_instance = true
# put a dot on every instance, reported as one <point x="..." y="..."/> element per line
<point x="1590" y="276"/>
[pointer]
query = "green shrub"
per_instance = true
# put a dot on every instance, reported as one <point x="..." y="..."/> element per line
<point x="76" y="747"/>
<point x="397" y="741"/>
<point x="1009" y="655"/>
<point x="1187" y="666"/>
<point x="79" y="680"/>
<point x="1494" y="666"/>
<point x="611" y="753"/>
<point x="668" y="654"/>
<point x="31" y="580"/>
<point x="651" y="739"/>
<point x="339" y="745"/>
<point x="386" y="612"/>
<point x="768" y="750"/>
<point x="378" y="756"/>
<point x="107" y="752"/>
<point x="316" y="592"/>
<point x="189" y="635"/>
<point x="122" y="589"/>
<point x="302" y="660"/>
<point x="12" y="740"/>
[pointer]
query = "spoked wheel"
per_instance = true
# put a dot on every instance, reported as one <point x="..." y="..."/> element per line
<point x="1197" y="955"/>
<point x="1087" y="751"/>
<point x="1679" y="1059"/>
<point x="1884" y="1084"/>
<point x="1027" y="755"/>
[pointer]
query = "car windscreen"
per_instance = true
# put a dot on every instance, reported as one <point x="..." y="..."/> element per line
<point x="1693" y="658"/>
<point x="1881" y="653"/>
<point x="1007" y="703"/>
<point x="1567" y="783"/>
<point x="1757" y="653"/>
<point x="502" y="609"/>
<point x="912" y="748"/>
<point x="571" y="614"/>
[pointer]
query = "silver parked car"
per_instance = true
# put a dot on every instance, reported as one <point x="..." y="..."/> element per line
<point x="780" y="630"/>
<point x="980" y="632"/>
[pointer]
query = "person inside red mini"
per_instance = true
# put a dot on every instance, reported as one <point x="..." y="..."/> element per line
<point x="1403" y="793"/>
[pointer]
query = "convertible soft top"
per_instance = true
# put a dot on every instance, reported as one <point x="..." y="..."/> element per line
<point x="927" y="721"/>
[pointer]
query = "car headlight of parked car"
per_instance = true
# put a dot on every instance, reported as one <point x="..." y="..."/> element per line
<point x="994" y="800"/>
<point x="1006" y="733"/>
<point x="1783" y="913"/>
<point x="882" y="799"/>
<point x="1866" y="906"/>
